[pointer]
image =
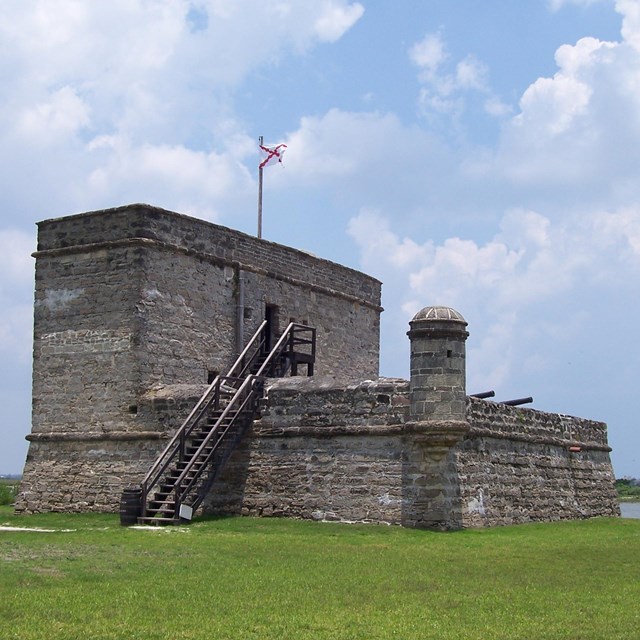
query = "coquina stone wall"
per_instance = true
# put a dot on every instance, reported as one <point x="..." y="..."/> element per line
<point x="167" y="289"/>
<point x="331" y="452"/>
<point x="79" y="471"/>
<point x="354" y="454"/>
<point x="519" y="465"/>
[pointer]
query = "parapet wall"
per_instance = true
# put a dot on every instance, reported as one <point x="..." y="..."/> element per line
<point x="330" y="452"/>
<point x="131" y="223"/>
<point x="504" y="422"/>
<point x="521" y="465"/>
<point x="353" y="454"/>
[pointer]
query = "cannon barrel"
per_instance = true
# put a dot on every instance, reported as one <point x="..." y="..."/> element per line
<point x="484" y="394"/>
<point x="517" y="401"/>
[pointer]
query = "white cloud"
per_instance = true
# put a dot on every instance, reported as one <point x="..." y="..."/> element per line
<point x="429" y="53"/>
<point x="380" y="245"/>
<point x="556" y="5"/>
<point x="573" y="95"/>
<point x="446" y="84"/>
<point x="574" y="60"/>
<point x="346" y="147"/>
<point x="528" y="286"/>
<point x="504" y="285"/>
<point x="336" y="20"/>
<point x="433" y="102"/>
<point x="126" y="59"/>
<point x="323" y="147"/>
<point x="496" y="108"/>
<point x="630" y="11"/>
<point x="551" y="106"/>
<point x="579" y="128"/>
<point x="194" y="182"/>
<point x="471" y="74"/>
<point x="62" y="115"/>
<point x="133" y="100"/>
<point x="100" y="46"/>
<point x="619" y="232"/>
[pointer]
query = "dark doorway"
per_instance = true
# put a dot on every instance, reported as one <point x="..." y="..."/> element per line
<point x="271" y="329"/>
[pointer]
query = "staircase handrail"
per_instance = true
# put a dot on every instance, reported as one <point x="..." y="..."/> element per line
<point x="283" y="353"/>
<point x="288" y="338"/>
<point x="256" y="339"/>
<point x="181" y="492"/>
<point x="288" y="335"/>
<point x="201" y="406"/>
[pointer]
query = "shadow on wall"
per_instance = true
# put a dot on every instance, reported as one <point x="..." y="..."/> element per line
<point x="430" y="488"/>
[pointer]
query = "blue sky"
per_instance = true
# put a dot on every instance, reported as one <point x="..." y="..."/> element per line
<point x="481" y="155"/>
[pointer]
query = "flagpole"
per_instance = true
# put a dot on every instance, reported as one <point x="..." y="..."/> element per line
<point x="260" y="169"/>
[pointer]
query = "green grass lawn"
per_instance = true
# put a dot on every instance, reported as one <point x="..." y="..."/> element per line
<point x="268" y="578"/>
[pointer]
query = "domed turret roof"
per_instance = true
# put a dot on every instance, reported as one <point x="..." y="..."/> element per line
<point x="439" y="313"/>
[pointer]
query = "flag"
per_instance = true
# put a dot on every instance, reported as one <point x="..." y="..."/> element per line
<point x="272" y="154"/>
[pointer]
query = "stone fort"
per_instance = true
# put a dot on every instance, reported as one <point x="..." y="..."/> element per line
<point x="181" y="367"/>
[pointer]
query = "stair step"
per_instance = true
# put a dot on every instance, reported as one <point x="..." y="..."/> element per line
<point x="195" y="466"/>
<point x="176" y="472"/>
<point x="160" y="505"/>
<point x="181" y="466"/>
<point x="161" y="508"/>
<point x="159" y="514"/>
<point x="160" y="497"/>
<point x="221" y="435"/>
<point x="193" y="449"/>
<point x="212" y="443"/>
<point x="213" y="423"/>
<point x="188" y="478"/>
<point x="197" y="442"/>
<point x="158" y="521"/>
<point x="205" y="452"/>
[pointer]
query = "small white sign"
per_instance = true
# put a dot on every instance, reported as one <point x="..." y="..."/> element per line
<point x="186" y="512"/>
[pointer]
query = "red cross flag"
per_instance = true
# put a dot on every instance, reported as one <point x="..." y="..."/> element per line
<point x="272" y="154"/>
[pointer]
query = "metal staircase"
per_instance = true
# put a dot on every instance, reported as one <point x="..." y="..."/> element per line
<point x="185" y="471"/>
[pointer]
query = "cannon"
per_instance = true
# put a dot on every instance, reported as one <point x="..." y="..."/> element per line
<point x="517" y="401"/>
<point x="484" y="394"/>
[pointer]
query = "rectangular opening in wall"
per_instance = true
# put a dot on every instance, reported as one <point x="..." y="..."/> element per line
<point x="272" y="329"/>
<point x="211" y="375"/>
<point x="449" y="353"/>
